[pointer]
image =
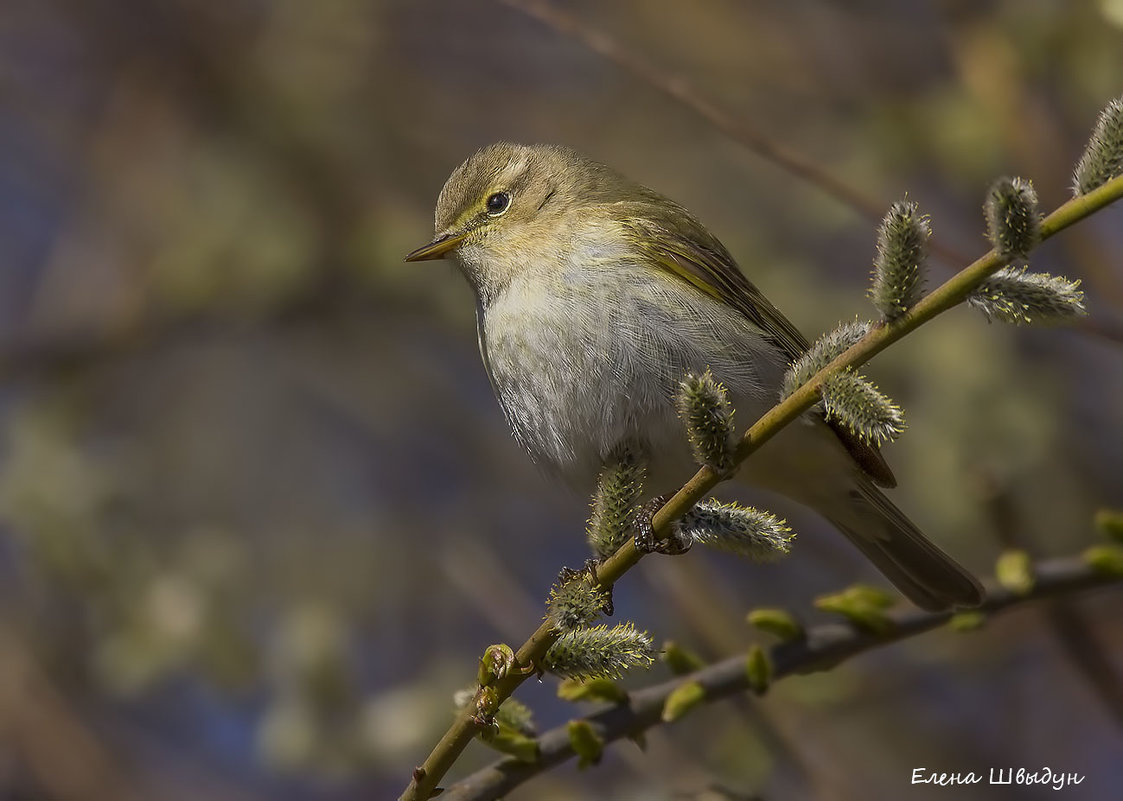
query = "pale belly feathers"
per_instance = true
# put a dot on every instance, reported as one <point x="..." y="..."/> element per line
<point x="593" y="362"/>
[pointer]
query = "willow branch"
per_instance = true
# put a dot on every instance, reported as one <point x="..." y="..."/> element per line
<point x="824" y="647"/>
<point x="947" y="295"/>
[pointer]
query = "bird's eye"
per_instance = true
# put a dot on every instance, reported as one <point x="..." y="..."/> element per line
<point x="498" y="203"/>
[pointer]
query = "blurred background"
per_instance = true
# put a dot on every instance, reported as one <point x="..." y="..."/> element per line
<point x="259" y="511"/>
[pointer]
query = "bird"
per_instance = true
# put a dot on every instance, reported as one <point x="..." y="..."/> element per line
<point x="595" y="295"/>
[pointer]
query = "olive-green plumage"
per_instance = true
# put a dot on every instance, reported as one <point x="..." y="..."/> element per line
<point x="596" y="296"/>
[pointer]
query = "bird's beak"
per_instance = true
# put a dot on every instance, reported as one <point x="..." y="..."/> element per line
<point x="437" y="248"/>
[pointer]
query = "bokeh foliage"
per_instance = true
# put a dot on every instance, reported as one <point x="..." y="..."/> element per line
<point x="258" y="509"/>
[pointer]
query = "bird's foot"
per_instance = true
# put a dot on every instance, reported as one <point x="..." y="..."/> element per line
<point x="645" y="539"/>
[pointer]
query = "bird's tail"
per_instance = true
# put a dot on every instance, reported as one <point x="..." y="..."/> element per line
<point x="926" y="575"/>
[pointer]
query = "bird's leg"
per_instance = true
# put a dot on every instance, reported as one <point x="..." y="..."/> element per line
<point x="645" y="539"/>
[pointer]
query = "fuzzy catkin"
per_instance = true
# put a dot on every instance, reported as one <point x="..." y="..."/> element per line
<point x="1103" y="157"/>
<point x="742" y="530"/>
<point x="1012" y="216"/>
<point x="902" y="249"/>
<point x="703" y="404"/>
<point x="599" y="652"/>
<point x="1014" y="295"/>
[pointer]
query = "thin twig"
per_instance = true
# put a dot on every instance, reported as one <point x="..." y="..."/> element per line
<point x="946" y="296"/>
<point x="41" y="730"/>
<point x="825" y="647"/>
<point x="679" y="89"/>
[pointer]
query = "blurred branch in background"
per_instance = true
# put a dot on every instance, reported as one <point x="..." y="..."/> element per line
<point x="679" y="89"/>
<point x="37" y="726"/>
<point x="823" y="648"/>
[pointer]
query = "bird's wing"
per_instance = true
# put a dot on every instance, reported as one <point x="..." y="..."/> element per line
<point x="673" y="239"/>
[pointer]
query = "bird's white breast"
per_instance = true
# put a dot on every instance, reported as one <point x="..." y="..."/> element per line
<point x="586" y="348"/>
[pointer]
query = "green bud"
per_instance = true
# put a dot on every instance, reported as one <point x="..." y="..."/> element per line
<point x="679" y="660"/>
<point x="777" y="622"/>
<point x="902" y="248"/>
<point x="703" y="404"/>
<point x="486" y="700"/>
<point x="1103" y="157"/>
<point x="619" y="488"/>
<point x="496" y="662"/>
<point x="856" y="403"/>
<point x="967" y="621"/>
<point x="1013" y="220"/>
<point x="682" y="699"/>
<point x="1013" y="295"/>
<point x="737" y="529"/>
<point x="604" y="690"/>
<point x="585" y="742"/>
<point x="758" y="670"/>
<point x="822" y="352"/>
<point x="599" y="652"/>
<point x="1014" y="571"/>
<point x="861" y="605"/>
<point x="1109" y="522"/>
<point x="1107" y="559"/>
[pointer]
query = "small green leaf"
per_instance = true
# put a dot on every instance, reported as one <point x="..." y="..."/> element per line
<point x="1014" y="571"/>
<point x="585" y="742"/>
<point x="682" y="699"/>
<point x="778" y="622"/>
<point x="592" y="690"/>
<point x="758" y="670"/>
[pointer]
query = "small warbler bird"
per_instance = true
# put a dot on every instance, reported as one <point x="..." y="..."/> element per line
<point x="596" y="295"/>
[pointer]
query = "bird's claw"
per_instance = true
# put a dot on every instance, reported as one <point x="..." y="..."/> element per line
<point x="645" y="539"/>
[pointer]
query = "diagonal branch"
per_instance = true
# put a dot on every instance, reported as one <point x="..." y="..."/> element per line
<point x="679" y="89"/>
<point x="824" y="647"/>
<point x="880" y="336"/>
